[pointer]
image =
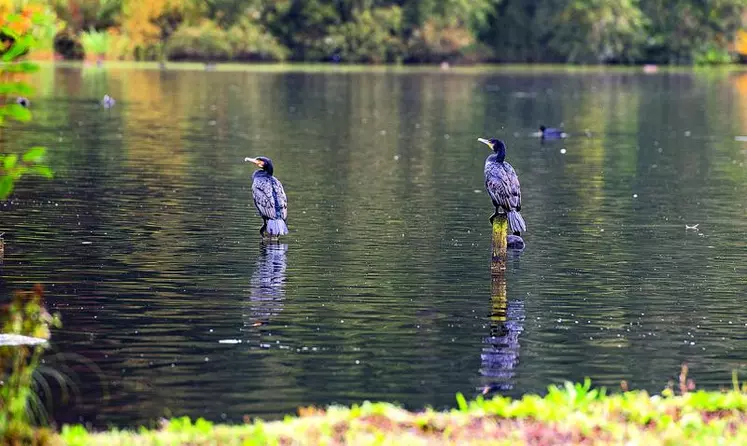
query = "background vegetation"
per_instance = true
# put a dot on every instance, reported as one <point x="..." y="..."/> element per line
<point x="396" y="31"/>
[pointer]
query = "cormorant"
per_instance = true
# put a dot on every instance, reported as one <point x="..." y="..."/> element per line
<point x="503" y="186"/>
<point x="23" y="102"/>
<point x="551" y="133"/>
<point x="269" y="198"/>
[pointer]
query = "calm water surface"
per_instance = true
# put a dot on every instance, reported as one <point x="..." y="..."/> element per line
<point x="147" y="240"/>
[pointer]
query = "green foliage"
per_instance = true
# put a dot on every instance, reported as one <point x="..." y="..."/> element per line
<point x="25" y="315"/>
<point x="576" y="413"/>
<point x="594" y="31"/>
<point x="204" y="42"/>
<point x="250" y="41"/>
<point x="95" y="42"/>
<point x="378" y="31"/>
<point x="21" y="41"/>
<point x="373" y="36"/>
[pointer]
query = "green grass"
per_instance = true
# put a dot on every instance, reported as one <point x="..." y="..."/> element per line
<point x="571" y="414"/>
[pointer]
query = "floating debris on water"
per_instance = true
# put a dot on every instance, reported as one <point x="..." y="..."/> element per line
<point x="562" y="151"/>
<point x="229" y="341"/>
<point x="695" y="227"/>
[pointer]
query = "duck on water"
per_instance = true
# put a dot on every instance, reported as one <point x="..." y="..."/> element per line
<point x="269" y="198"/>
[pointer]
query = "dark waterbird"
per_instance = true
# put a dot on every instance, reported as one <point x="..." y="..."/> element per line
<point x="23" y="102"/>
<point x="551" y="133"/>
<point x="269" y="198"/>
<point x="503" y="186"/>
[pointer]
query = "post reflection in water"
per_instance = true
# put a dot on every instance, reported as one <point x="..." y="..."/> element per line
<point x="500" y="354"/>
<point x="267" y="290"/>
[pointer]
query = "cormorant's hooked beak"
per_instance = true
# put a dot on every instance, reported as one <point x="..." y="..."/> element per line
<point x="485" y="141"/>
<point x="255" y="161"/>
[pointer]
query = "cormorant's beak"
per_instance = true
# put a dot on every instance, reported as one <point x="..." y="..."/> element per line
<point x="485" y="141"/>
<point x="254" y="160"/>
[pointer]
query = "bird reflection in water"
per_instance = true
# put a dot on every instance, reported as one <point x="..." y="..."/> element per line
<point x="267" y="290"/>
<point x="500" y="352"/>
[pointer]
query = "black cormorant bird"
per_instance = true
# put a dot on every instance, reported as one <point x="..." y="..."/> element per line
<point x="551" y="133"/>
<point x="269" y="198"/>
<point x="503" y="186"/>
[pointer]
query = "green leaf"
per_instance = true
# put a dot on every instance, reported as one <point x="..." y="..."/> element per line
<point x="44" y="171"/>
<point x="19" y="113"/>
<point x="6" y="187"/>
<point x="461" y="402"/>
<point x="15" y="88"/>
<point x="10" y="161"/>
<point x="15" y="51"/>
<point x="34" y="154"/>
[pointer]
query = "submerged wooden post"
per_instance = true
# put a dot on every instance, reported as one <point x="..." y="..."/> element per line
<point x="500" y="244"/>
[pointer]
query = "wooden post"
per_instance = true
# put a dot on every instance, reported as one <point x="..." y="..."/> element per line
<point x="500" y="244"/>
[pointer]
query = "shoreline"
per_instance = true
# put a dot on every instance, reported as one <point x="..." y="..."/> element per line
<point x="570" y="414"/>
<point x="321" y="67"/>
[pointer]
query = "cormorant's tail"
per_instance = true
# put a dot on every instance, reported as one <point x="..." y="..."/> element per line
<point x="516" y="222"/>
<point x="276" y="227"/>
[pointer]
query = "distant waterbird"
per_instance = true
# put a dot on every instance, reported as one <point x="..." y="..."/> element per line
<point x="269" y="198"/>
<point x="503" y="186"/>
<point x="551" y="133"/>
<point x="23" y="102"/>
<point x="108" y="101"/>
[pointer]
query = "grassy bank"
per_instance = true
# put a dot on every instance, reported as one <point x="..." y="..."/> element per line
<point x="565" y="415"/>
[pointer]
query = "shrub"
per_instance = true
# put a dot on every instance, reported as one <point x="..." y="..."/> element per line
<point x="95" y="43"/>
<point x="204" y="42"/>
<point x="436" y="42"/>
<point x="371" y="37"/>
<point x="250" y="41"/>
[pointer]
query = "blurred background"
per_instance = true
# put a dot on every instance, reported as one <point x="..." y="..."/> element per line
<point x="400" y="31"/>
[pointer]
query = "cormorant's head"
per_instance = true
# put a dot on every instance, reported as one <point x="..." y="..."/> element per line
<point x="542" y="128"/>
<point x="262" y="162"/>
<point x="498" y="146"/>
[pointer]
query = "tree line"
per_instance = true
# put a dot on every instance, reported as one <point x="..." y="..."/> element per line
<point x="400" y="31"/>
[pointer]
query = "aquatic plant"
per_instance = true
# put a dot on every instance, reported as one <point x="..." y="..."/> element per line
<point x="25" y="326"/>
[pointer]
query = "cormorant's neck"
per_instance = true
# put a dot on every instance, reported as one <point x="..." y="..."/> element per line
<point x="500" y="155"/>
<point x="263" y="173"/>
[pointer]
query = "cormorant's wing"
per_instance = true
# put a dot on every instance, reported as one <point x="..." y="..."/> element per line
<point x="282" y="200"/>
<point x="503" y="186"/>
<point x="263" y="197"/>
<point x="513" y="186"/>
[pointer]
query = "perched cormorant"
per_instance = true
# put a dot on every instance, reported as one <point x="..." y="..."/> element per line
<point x="503" y="186"/>
<point x="551" y="133"/>
<point x="269" y="198"/>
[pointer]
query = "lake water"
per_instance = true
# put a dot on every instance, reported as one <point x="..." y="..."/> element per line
<point x="147" y="239"/>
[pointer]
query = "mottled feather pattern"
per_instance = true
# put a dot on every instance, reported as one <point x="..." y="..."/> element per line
<point x="503" y="185"/>
<point x="269" y="197"/>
